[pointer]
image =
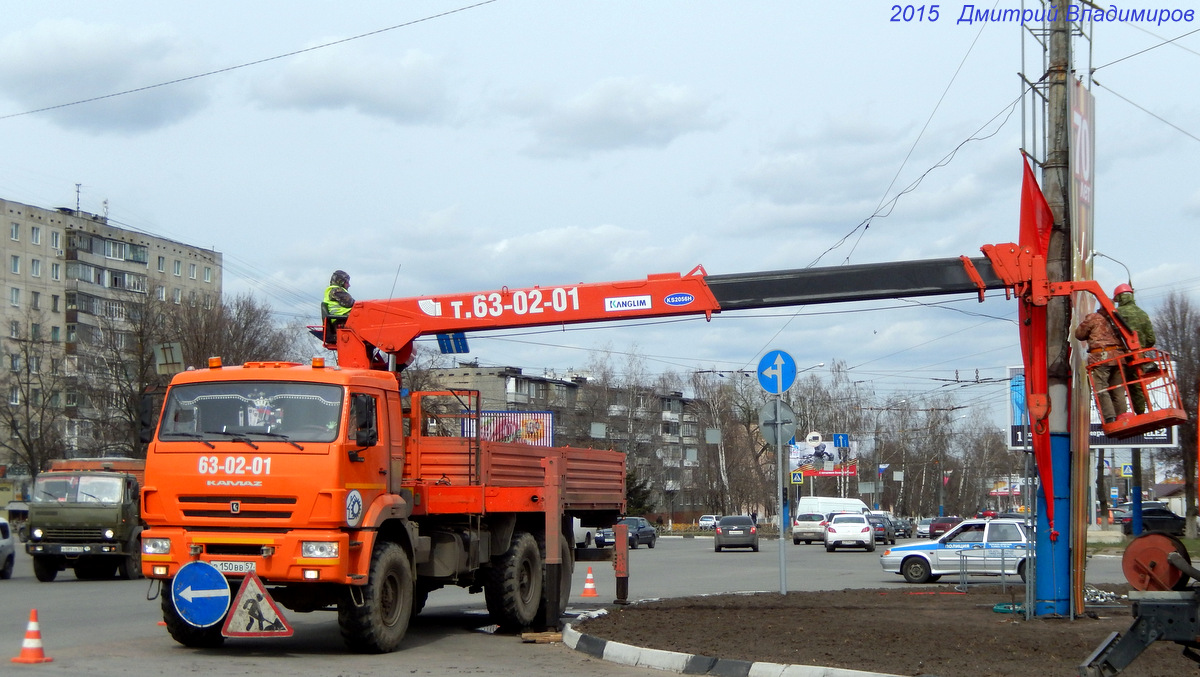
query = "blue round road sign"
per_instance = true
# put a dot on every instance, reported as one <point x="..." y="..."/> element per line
<point x="776" y="372"/>
<point x="200" y="593"/>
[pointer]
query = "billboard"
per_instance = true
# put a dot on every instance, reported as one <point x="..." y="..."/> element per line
<point x="816" y="458"/>
<point x="535" y="428"/>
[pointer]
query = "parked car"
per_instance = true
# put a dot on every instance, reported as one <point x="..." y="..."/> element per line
<point x="735" y="531"/>
<point x="7" y="550"/>
<point x="1155" y="519"/>
<point x="904" y="527"/>
<point x="709" y="521"/>
<point x="1123" y="510"/>
<point x="851" y="530"/>
<point x="923" y="527"/>
<point x="808" y="527"/>
<point x="641" y="531"/>
<point x="941" y="525"/>
<point x="884" y="531"/>
<point x="993" y="547"/>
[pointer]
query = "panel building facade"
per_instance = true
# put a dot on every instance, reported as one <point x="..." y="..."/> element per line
<point x="74" y="285"/>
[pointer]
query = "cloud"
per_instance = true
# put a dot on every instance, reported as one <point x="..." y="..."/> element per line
<point x="618" y="113"/>
<point x="410" y="89"/>
<point x="57" y="62"/>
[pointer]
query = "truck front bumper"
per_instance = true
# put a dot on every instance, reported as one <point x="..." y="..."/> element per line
<point x="75" y="549"/>
<point x="276" y="558"/>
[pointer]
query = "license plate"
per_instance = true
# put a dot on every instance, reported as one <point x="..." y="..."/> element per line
<point x="72" y="548"/>
<point x="234" y="567"/>
<point x="735" y="532"/>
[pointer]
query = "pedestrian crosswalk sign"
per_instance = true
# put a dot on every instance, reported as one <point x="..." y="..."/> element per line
<point x="254" y="613"/>
<point x="797" y="477"/>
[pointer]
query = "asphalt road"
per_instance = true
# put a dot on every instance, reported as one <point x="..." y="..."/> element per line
<point x="103" y="628"/>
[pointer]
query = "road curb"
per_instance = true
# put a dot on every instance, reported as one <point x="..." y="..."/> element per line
<point x="691" y="664"/>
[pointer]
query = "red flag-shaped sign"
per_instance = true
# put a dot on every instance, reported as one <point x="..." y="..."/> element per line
<point x="1036" y="218"/>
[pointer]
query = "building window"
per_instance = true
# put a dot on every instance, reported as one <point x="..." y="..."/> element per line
<point x="35" y="300"/>
<point x="14" y="395"/>
<point x="177" y="295"/>
<point x="207" y="274"/>
<point x="55" y="271"/>
<point x="14" y="329"/>
<point x="178" y="268"/>
<point x="35" y="234"/>
<point x="14" y="232"/>
<point x="162" y="264"/>
<point x="192" y="271"/>
<point x="14" y="362"/>
<point x="35" y="332"/>
<point x="35" y="267"/>
<point x="72" y="333"/>
<point x="54" y="334"/>
<point x="161" y="292"/>
<point x="14" y="265"/>
<point x="55" y="242"/>
<point x="54" y="303"/>
<point x="14" y="297"/>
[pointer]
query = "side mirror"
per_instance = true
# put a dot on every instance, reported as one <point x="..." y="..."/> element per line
<point x="363" y="420"/>
<point x="146" y="415"/>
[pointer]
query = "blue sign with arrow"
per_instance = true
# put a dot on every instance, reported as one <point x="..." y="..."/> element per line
<point x="776" y="372"/>
<point x="200" y="593"/>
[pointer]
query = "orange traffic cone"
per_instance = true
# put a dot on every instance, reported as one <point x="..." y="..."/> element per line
<point x="31" y="648"/>
<point x="589" y="586"/>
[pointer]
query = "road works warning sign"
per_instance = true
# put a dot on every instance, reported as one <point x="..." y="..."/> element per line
<point x="254" y="614"/>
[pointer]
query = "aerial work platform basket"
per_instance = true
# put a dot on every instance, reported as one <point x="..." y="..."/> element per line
<point x="1150" y="371"/>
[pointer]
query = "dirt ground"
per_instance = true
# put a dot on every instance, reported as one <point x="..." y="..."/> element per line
<point x="928" y="630"/>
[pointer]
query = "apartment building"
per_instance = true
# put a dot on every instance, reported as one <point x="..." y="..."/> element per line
<point x="72" y="282"/>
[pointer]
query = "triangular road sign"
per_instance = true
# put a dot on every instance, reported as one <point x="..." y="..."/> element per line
<point x="254" y="613"/>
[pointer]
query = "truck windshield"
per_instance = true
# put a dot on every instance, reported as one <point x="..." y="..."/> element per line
<point x="263" y="410"/>
<point x="75" y="488"/>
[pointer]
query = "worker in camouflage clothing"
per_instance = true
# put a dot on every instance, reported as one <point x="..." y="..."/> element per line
<point x="1103" y="347"/>
<point x="1139" y="322"/>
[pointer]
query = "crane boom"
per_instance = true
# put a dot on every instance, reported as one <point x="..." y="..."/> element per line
<point x="391" y="325"/>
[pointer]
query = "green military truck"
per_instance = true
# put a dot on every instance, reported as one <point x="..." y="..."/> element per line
<point x="84" y="514"/>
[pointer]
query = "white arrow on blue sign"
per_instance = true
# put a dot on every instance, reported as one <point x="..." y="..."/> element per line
<point x="776" y="372"/>
<point x="200" y="593"/>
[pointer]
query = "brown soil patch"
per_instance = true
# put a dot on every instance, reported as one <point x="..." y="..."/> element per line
<point x="929" y="630"/>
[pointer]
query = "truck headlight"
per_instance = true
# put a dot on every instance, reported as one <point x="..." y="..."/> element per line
<point x="108" y="534"/>
<point x="319" y="549"/>
<point x="156" y="546"/>
<point x="37" y="534"/>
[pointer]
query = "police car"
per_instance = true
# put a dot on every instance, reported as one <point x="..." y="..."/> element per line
<point x="983" y="547"/>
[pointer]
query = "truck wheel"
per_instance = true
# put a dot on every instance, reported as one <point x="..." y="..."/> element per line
<point x="130" y="567"/>
<point x="185" y="633"/>
<point x="380" y="623"/>
<point x="513" y="587"/>
<point x="915" y="570"/>
<point x="564" y="581"/>
<point x="45" y="568"/>
<point x="6" y="570"/>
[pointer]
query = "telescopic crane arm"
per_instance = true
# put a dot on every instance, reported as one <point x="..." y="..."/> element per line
<point x="392" y="325"/>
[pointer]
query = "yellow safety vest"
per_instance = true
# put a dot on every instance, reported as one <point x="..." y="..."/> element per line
<point x="332" y="307"/>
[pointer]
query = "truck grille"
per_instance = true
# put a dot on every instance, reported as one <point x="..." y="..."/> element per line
<point x="248" y="507"/>
<point x="73" y="534"/>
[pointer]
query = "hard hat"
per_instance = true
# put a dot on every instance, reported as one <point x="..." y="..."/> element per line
<point x="1122" y="289"/>
<point x="340" y="278"/>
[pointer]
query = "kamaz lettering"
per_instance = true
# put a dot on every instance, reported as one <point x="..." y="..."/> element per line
<point x="233" y="483"/>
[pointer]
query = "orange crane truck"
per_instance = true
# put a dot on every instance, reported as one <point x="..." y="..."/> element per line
<point x="324" y="487"/>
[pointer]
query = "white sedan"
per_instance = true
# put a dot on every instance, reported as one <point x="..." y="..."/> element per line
<point x="987" y="547"/>
<point x="849" y="529"/>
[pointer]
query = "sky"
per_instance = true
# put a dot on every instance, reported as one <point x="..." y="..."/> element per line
<point x="433" y="147"/>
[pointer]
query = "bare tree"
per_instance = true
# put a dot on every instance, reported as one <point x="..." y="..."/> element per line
<point x="1177" y="328"/>
<point x="238" y="330"/>
<point x="35" y="382"/>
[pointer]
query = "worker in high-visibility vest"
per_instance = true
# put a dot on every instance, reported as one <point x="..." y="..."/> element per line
<point x="336" y="305"/>
<point x="1136" y="319"/>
